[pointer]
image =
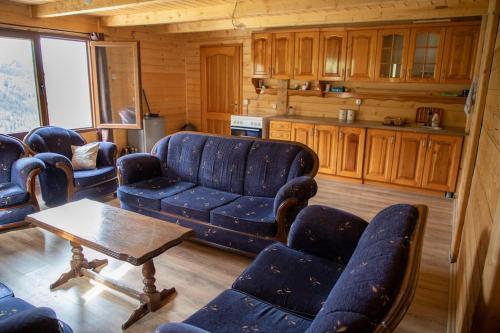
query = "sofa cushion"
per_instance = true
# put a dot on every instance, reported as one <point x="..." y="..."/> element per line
<point x="12" y="194"/>
<point x="252" y="215"/>
<point x="196" y="203"/>
<point x="148" y="193"/>
<point x="223" y="163"/>
<point x="233" y="311"/>
<point x="84" y="178"/>
<point x="183" y="157"/>
<point x="5" y="291"/>
<point x="290" y="279"/>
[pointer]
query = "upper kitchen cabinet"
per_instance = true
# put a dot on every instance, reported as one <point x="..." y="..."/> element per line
<point x="306" y="55"/>
<point x="332" y="54"/>
<point x="361" y="49"/>
<point x="459" y="54"/>
<point x="261" y="55"/>
<point x="426" y="53"/>
<point x="282" y="55"/>
<point x="392" y="54"/>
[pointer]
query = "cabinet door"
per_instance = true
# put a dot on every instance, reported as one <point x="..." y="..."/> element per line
<point x="379" y="155"/>
<point x="441" y="163"/>
<point x="332" y="53"/>
<point x="303" y="133"/>
<point x="306" y="55"/>
<point x="282" y="55"/>
<point x="459" y="54"/>
<point x="261" y="55"/>
<point x="350" y="152"/>
<point x="361" y="48"/>
<point x="325" y="145"/>
<point x="426" y="53"/>
<point x="392" y="54"/>
<point x="409" y="157"/>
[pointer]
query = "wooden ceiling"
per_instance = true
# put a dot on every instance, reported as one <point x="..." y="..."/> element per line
<point x="171" y="16"/>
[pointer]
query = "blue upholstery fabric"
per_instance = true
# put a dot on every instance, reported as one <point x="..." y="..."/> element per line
<point x="84" y="178"/>
<point x="12" y="194"/>
<point x="11" y="150"/>
<point x="290" y="279"/>
<point x="54" y="140"/>
<point x="148" y="193"/>
<point x="53" y="180"/>
<point x="96" y="191"/>
<point x="196" y="203"/>
<point x="23" y="167"/>
<point x="326" y="232"/>
<point x="106" y="154"/>
<point x="15" y="214"/>
<point x="223" y="164"/>
<point x="179" y="328"/>
<point x="5" y="291"/>
<point x="138" y="167"/>
<point x="253" y="215"/>
<point x="184" y="155"/>
<point x="303" y="164"/>
<point x="233" y="311"/>
<point x="301" y="188"/>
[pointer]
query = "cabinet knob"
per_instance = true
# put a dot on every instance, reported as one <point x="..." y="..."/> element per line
<point x="424" y="143"/>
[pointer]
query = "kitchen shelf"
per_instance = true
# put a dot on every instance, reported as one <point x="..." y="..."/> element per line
<point x="396" y="96"/>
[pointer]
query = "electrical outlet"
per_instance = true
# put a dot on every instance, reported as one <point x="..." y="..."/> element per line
<point x="275" y="106"/>
<point x="246" y="101"/>
<point x="359" y="101"/>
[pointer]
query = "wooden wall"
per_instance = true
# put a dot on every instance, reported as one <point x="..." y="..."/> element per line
<point x="476" y="274"/>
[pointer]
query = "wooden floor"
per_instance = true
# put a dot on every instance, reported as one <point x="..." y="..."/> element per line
<point x="31" y="259"/>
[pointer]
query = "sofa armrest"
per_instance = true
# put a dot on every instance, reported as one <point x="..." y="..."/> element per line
<point x="179" y="328"/>
<point x="137" y="167"/>
<point x="32" y="321"/>
<point x="106" y="155"/>
<point x="326" y="232"/>
<point x="24" y="171"/>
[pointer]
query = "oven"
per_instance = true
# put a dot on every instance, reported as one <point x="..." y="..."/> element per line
<point x="255" y="127"/>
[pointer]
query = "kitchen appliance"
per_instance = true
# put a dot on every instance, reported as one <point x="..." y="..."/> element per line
<point x="424" y="115"/>
<point x="250" y="126"/>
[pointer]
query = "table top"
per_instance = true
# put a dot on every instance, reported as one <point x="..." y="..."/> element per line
<point x="116" y="232"/>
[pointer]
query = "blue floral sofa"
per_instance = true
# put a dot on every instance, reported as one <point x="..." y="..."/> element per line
<point x="235" y="192"/>
<point x="59" y="183"/>
<point x="18" y="316"/>
<point x="337" y="274"/>
<point x="17" y="182"/>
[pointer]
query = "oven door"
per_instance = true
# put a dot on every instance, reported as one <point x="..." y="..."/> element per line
<point x="245" y="131"/>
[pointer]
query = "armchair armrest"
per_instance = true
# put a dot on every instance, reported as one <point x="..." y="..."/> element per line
<point x="31" y="321"/>
<point x="107" y="154"/>
<point x="326" y="232"/>
<point x="137" y="167"/>
<point x="24" y="171"/>
<point x="57" y="181"/>
<point x="179" y="328"/>
<point x="55" y="160"/>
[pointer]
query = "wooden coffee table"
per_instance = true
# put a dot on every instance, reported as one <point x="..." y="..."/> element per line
<point x="118" y="233"/>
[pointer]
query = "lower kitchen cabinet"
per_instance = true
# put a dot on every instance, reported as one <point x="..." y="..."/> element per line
<point x="379" y="154"/>
<point x="303" y="133"/>
<point x="325" y="145"/>
<point x="350" y="152"/>
<point x="409" y="158"/>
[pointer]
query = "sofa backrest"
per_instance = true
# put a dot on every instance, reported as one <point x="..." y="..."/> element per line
<point x="234" y="164"/>
<point x="11" y="150"/>
<point x="53" y="139"/>
<point x="371" y="281"/>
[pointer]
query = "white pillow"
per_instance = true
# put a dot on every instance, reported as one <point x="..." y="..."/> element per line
<point x="85" y="157"/>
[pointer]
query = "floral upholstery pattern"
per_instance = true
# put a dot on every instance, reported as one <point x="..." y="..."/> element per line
<point x="253" y="215"/>
<point x="12" y="194"/>
<point x="84" y="178"/>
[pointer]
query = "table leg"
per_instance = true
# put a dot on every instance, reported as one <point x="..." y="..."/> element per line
<point x="151" y="299"/>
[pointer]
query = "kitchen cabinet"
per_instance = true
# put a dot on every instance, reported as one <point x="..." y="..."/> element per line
<point x="282" y="55"/>
<point x="306" y="55"/>
<point x="426" y="53"/>
<point x="379" y="155"/>
<point x="459" y="54"/>
<point x="280" y="130"/>
<point x="325" y="146"/>
<point x="361" y="47"/>
<point x="332" y="55"/>
<point x="262" y="55"/>
<point x="392" y="55"/>
<point x="350" y="152"/>
<point x="409" y="157"/>
<point x="303" y="133"/>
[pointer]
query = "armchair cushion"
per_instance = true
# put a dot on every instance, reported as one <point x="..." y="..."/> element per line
<point x="148" y="193"/>
<point x="5" y="291"/>
<point x="197" y="202"/>
<point x="15" y="214"/>
<point x="134" y="168"/>
<point x="18" y="316"/>
<point x="12" y="194"/>
<point x="22" y="168"/>
<point x="290" y="279"/>
<point x="326" y="232"/>
<point x="84" y="178"/>
<point x="179" y="328"/>
<point x="106" y="154"/>
<point x="253" y="215"/>
<point x="302" y="188"/>
<point x="11" y="150"/>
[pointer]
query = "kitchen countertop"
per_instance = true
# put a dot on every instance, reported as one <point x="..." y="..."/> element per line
<point x="412" y="127"/>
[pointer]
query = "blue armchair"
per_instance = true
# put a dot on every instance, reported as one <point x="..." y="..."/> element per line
<point x="17" y="182"/>
<point x="59" y="182"/>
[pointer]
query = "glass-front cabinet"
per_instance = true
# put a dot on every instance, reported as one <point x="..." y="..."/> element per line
<point x="392" y="54"/>
<point x="426" y="52"/>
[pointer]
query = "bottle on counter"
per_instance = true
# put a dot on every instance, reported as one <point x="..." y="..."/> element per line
<point x="435" y="120"/>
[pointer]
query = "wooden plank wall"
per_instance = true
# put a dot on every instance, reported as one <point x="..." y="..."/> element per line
<point x="476" y="278"/>
<point x="303" y="105"/>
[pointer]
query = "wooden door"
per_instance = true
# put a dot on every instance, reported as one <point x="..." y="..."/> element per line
<point x="379" y="155"/>
<point x="361" y="47"/>
<point x="306" y="55"/>
<point x="303" y="133"/>
<point x="442" y="161"/>
<point x="426" y="53"/>
<point x="261" y="55"/>
<point x="459" y="54"/>
<point x="350" y="152"/>
<point x="325" y="145"/>
<point x="220" y="87"/>
<point x="392" y="54"/>
<point x="332" y="53"/>
<point x="282" y="55"/>
<point x="409" y="157"/>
